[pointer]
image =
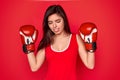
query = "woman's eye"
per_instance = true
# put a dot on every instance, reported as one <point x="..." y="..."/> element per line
<point x="50" y="22"/>
<point x="58" y="21"/>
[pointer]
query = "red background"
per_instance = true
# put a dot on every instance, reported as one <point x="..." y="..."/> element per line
<point x="104" y="13"/>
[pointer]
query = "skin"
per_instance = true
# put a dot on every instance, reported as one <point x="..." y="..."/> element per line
<point x="56" y="24"/>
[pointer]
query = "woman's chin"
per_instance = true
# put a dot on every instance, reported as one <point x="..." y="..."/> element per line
<point x="57" y="33"/>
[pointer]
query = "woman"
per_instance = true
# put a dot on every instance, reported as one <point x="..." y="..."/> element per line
<point x="59" y="47"/>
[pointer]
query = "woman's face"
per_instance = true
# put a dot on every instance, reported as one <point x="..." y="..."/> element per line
<point x="56" y="23"/>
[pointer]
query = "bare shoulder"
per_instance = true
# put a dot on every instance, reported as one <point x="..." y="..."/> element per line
<point x="41" y="51"/>
<point x="79" y="40"/>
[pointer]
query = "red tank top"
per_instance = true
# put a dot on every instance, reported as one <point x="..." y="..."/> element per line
<point x="62" y="65"/>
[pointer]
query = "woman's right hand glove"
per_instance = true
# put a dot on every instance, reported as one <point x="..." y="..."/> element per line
<point x="28" y="35"/>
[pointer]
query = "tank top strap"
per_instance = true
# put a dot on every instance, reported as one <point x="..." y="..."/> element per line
<point x="74" y="41"/>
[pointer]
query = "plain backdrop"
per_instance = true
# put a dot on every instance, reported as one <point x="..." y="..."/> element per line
<point x="104" y="13"/>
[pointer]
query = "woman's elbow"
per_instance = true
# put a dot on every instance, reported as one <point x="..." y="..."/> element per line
<point x="34" y="69"/>
<point x="91" y="67"/>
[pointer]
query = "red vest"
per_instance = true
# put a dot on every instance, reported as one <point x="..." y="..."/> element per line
<point x="62" y="65"/>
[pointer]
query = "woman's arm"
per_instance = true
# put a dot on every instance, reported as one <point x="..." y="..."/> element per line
<point x="35" y="62"/>
<point x="87" y="58"/>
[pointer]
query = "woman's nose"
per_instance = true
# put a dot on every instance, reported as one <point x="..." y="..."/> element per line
<point x="54" y="25"/>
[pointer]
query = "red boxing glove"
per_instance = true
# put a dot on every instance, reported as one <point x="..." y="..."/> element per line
<point x="28" y="35"/>
<point x="88" y="32"/>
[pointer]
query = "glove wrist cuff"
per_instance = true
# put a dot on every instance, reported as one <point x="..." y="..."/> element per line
<point x="91" y="47"/>
<point x="28" y="48"/>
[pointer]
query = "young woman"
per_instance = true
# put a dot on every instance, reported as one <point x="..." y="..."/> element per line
<point x="59" y="47"/>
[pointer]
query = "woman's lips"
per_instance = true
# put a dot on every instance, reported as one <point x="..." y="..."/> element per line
<point x="56" y="29"/>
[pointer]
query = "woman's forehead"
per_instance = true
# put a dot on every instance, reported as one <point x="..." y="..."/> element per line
<point x="54" y="17"/>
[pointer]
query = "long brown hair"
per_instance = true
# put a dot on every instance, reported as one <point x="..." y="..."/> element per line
<point x="47" y="33"/>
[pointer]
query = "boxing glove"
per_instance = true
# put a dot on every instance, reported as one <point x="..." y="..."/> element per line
<point x="88" y="32"/>
<point x="28" y="35"/>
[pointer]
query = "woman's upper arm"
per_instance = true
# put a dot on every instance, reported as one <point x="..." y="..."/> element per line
<point x="81" y="49"/>
<point x="81" y="46"/>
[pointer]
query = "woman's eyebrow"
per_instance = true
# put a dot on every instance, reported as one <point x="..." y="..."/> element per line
<point x="57" y="19"/>
<point x="49" y="21"/>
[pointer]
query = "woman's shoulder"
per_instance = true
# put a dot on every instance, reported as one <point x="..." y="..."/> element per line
<point x="79" y="40"/>
<point x="75" y="35"/>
